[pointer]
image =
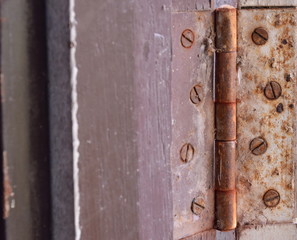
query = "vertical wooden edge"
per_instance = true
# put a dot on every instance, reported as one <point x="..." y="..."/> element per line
<point x="58" y="43"/>
<point x="25" y="135"/>
<point x="123" y="98"/>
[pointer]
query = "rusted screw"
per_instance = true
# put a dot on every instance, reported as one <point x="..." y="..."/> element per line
<point x="187" y="38"/>
<point x="187" y="152"/>
<point x="273" y="90"/>
<point x="271" y="198"/>
<point x="198" y="205"/>
<point x="195" y="94"/>
<point x="258" y="146"/>
<point x="260" y="36"/>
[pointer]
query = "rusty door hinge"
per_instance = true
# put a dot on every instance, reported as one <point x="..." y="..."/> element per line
<point x="225" y="118"/>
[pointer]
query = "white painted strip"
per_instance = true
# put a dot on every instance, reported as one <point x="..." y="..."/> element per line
<point x="74" y="71"/>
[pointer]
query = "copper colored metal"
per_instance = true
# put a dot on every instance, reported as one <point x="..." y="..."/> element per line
<point x="271" y="198"/>
<point x="225" y="73"/>
<point x="225" y="210"/>
<point x="196" y="94"/>
<point x="260" y="36"/>
<point x="273" y="90"/>
<point x="225" y="121"/>
<point x="187" y="152"/>
<point x="198" y="205"/>
<point x="225" y="165"/>
<point x="258" y="146"/>
<point x="187" y="38"/>
<point x="225" y="110"/>
<point x="226" y="35"/>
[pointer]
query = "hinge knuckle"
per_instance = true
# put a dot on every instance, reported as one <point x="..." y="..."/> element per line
<point x="225" y="119"/>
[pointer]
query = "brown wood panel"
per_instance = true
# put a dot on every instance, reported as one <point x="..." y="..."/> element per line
<point x="123" y="86"/>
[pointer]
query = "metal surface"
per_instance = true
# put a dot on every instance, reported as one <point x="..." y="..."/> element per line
<point x="225" y="210"/>
<point x="269" y="232"/>
<point x="192" y="123"/>
<point x="258" y="146"/>
<point x="198" y="205"/>
<point x="260" y="36"/>
<point x="226" y="29"/>
<point x="191" y="5"/>
<point x="187" y="152"/>
<point x="267" y="3"/>
<point x="196" y="94"/>
<point x="225" y="165"/>
<point x="273" y="90"/>
<point x="258" y="116"/>
<point x="271" y="198"/>
<point x="187" y="38"/>
<point x="225" y="119"/>
<point x="207" y="235"/>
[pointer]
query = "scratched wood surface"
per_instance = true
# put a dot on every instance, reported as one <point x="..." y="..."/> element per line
<point x="123" y="87"/>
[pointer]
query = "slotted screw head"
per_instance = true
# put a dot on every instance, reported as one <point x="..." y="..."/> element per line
<point x="271" y="198"/>
<point x="260" y="36"/>
<point x="187" y="38"/>
<point x="273" y="90"/>
<point x="198" y="205"/>
<point x="187" y="152"/>
<point x="196" y="94"/>
<point x="258" y="146"/>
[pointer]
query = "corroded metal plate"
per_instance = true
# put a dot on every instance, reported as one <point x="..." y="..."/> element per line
<point x="192" y="123"/>
<point x="272" y="120"/>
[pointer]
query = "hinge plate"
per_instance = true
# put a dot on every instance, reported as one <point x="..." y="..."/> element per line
<point x="273" y="120"/>
<point x="192" y="123"/>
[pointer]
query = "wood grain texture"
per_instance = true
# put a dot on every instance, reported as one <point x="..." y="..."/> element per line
<point x="123" y="58"/>
<point x="25" y="119"/>
<point x="60" y="120"/>
<point x="259" y="3"/>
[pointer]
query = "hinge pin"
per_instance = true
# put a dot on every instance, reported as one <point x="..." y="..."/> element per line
<point x="225" y="111"/>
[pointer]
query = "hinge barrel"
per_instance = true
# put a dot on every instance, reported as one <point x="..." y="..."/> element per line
<point x="225" y="108"/>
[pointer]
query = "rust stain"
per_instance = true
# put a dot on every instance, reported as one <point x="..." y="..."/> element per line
<point x="225" y="118"/>
<point x="259" y="116"/>
<point x="8" y="191"/>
